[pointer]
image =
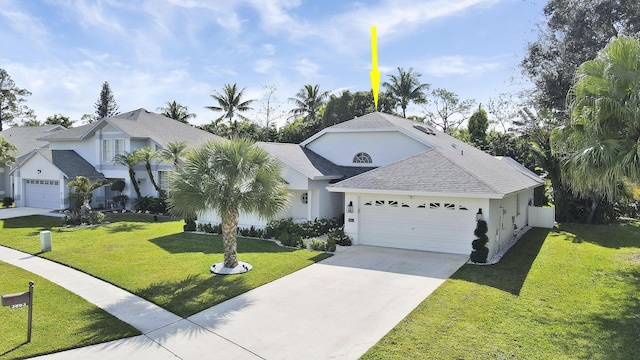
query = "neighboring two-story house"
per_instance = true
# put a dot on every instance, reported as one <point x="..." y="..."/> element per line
<point x="40" y="179"/>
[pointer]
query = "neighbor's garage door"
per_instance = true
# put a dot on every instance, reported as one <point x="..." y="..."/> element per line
<point x="430" y="226"/>
<point x="42" y="193"/>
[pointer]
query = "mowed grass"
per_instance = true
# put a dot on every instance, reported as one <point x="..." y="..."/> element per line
<point x="570" y="293"/>
<point x="61" y="319"/>
<point x="156" y="260"/>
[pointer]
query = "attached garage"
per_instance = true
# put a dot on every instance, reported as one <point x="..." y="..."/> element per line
<point x="430" y="225"/>
<point x="42" y="193"/>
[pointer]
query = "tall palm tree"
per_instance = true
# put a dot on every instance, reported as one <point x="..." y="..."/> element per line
<point x="228" y="177"/>
<point x="176" y="111"/>
<point x="147" y="154"/>
<point x="174" y="152"/>
<point x="230" y="101"/>
<point x="405" y="87"/>
<point x="308" y="101"/>
<point x="130" y="160"/>
<point x="603" y="134"/>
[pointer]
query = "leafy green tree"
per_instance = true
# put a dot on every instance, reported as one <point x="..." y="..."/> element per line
<point x="230" y="101"/>
<point x="7" y="152"/>
<point x="59" y="119"/>
<point x="228" y="177"/>
<point x="405" y="87"/>
<point x="11" y="99"/>
<point x="106" y="105"/>
<point x="572" y="33"/>
<point x="308" y="102"/>
<point x="130" y="161"/>
<point x="478" y="125"/>
<point x="174" y="152"/>
<point x="176" y="111"/>
<point x="445" y="105"/>
<point x="147" y="154"/>
<point x="30" y="122"/>
<point x="602" y="137"/>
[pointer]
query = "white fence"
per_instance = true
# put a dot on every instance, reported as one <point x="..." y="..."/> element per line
<point x="543" y="217"/>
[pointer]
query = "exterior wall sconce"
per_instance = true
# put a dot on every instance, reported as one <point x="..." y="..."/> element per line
<point x="350" y="207"/>
<point x="479" y="215"/>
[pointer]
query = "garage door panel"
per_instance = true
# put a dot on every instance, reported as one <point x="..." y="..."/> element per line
<point x="42" y="193"/>
<point x="442" y="229"/>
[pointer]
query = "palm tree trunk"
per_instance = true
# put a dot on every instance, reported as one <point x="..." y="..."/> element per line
<point x="134" y="182"/>
<point x="229" y="233"/>
<point x="153" y="180"/>
<point x="592" y="209"/>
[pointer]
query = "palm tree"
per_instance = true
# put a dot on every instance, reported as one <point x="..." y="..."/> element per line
<point x="405" y="87"/>
<point x="231" y="102"/>
<point x="308" y="101"/>
<point x="176" y="111"/>
<point x="174" y="152"/>
<point x="83" y="187"/>
<point x="130" y="160"/>
<point x="147" y="154"/>
<point x="602" y="137"/>
<point x="228" y="177"/>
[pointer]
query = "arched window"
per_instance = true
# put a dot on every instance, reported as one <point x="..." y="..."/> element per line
<point x="362" y="158"/>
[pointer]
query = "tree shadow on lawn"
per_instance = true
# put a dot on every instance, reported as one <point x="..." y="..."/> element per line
<point x="619" y="235"/>
<point x="33" y="221"/>
<point x="195" y="293"/>
<point x="124" y="227"/>
<point x="510" y="273"/>
<point x="212" y="244"/>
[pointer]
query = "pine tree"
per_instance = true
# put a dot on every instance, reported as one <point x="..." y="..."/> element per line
<point x="106" y="106"/>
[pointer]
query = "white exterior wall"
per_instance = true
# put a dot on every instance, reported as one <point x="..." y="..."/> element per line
<point x="85" y="148"/>
<point x="340" y="148"/>
<point x="47" y="172"/>
<point x="504" y="214"/>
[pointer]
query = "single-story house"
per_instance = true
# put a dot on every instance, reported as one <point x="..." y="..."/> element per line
<point x="40" y="177"/>
<point x="403" y="184"/>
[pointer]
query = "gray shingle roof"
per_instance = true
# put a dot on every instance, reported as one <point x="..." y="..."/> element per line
<point x="309" y="163"/>
<point x="451" y="166"/>
<point x="26" y="138"/>
<point x="71" y="164"/>
<point x="142" y="124"/>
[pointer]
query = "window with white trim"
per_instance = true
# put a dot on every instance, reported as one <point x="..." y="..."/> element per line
<point x="163" y="180"/>
<point x="119" y="147"/>
<point x="107" y="150"/>
<point x="362" y="158"/>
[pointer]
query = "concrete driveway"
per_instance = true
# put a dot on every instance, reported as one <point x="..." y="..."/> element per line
<point x="25" y="211"/>
<point x="336" y="309"/>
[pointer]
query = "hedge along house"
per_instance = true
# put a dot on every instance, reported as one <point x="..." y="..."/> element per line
<point x="403" y="184"/>
<point x="41" y="177"/>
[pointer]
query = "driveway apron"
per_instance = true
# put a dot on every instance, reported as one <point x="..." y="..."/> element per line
<point x="335" y="309"/>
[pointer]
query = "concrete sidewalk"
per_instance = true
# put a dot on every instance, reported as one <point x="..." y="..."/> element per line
<point x="337" y="309"/>
<point x="15" y="212"/>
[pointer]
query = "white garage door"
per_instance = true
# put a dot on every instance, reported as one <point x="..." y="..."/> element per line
<point x="42" y="193"/>
<point x="430" y="226"/>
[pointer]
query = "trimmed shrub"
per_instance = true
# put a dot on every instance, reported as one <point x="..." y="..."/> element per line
<point x="96" y="217"/>
<point x="321" y="245"/>
<point x="291" y="240"/>
<point x="337" y="236"/>
<point x="190" y="225"/>
<point x="480" y="251"/>
<point x="7" y="201"/>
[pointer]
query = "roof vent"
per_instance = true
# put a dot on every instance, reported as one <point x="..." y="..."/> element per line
<point x="425" y="129"/>
<point x="454" y="145"/>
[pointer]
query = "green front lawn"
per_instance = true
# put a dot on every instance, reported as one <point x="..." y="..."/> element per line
<point x="570" y="293"/>
<point x="61" y="319"/>
<point x="156" y="260"/>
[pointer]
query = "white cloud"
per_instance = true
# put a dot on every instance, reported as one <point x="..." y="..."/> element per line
<point x="24" y="24"/>
<point x="269" y="49"/>
<point x="263" y="66"/>
<point x="459" y="65"/>
<point x="307" y="68"/>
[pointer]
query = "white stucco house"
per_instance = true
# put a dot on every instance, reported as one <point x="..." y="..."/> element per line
<point x="402" y="184"/>
<point x="41" y="176"/>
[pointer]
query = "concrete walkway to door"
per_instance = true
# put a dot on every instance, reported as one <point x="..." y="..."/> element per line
<point x="334" y="309"/>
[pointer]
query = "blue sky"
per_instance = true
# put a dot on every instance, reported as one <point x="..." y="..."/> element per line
<point x="154" y="51"/>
